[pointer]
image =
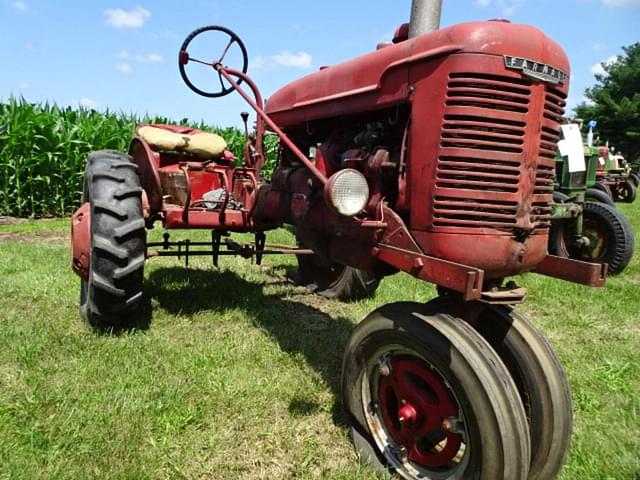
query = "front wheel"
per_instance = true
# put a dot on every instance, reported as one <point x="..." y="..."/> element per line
<point x="537" y="373"/>
<point x="626" y="192"/>
<point x="429" y="398"/>
<point x="608" y="234"/>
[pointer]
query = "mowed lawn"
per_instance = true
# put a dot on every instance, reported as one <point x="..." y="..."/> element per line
<point x="238" y="372"/>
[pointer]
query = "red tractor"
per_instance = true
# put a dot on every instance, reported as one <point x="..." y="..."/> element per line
<point x="432" y="155"/>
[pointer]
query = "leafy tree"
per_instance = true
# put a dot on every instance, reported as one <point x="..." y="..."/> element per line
<point x="616" y="103"/>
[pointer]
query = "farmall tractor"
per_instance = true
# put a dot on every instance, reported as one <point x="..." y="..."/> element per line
<point x="433" y="155"/>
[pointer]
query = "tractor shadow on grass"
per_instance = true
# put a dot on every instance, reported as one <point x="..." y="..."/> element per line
<point x="298" y="328"/>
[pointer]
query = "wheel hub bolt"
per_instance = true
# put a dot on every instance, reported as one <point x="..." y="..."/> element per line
<point x="407" y="413"/>
<point x="453" y="424"/>
<point x="384" y="367"/>
<point x="402" y="453"/>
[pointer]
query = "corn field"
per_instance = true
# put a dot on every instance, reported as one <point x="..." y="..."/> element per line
<point x="43" y="149"/>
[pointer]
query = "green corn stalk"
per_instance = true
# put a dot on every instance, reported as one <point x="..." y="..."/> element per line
<point x="43" y="148"/>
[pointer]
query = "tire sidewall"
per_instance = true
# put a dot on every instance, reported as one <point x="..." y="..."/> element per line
<point x="428" y="343"/>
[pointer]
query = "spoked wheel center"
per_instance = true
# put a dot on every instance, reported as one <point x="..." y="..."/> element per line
<point x="418" y="413"/>
<point x="596" y="246"/>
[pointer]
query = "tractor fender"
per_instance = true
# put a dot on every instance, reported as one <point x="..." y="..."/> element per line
<point x="148" y="162"/>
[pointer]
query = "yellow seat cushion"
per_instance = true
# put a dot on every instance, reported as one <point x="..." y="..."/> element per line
<point x="203" y="145"/>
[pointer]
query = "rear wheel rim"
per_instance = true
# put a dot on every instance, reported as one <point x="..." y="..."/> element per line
<point x="413" y="415"/>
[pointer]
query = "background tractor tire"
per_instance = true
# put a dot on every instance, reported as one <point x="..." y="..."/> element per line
<point x="635" y="178"/>
<point x="626" y="192"/>
<point x="603" y="187"/>
<point x="559" y="197"/>
<point x="112" y="295"/>
<point x="443" y="367"/>
<point x="595" y="195"/>
<point x="610" y="232"/>
<point x="334" y="280"/>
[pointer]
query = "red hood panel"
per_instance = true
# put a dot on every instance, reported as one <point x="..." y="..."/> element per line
<point x="367" y="73"/>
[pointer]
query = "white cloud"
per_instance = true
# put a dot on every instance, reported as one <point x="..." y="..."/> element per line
<point x="24" y="85"/>
<point x="118" y="18"/>
<point x="150" y="58"/>
<point x="597" y="68"/>
<point x="507" y="7"/>
<point x="122" y="54"/>
<point x="20" y="5"/>
<point x="295" y="60"/>
<point x="598" y="47"/>
<point x="283" y="59"/>
<point x="124" y="67"/>
<point x="31" y="47"/>
<point x="622" y="3"/>
<point x="87" y="103"/>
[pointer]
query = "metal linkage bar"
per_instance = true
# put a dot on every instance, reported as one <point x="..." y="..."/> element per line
<point x="184" y="248"/>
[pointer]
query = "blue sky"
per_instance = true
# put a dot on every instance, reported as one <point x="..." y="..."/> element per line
<point x="121" y="54"/>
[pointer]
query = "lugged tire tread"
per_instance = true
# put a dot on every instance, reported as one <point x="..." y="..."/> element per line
<point x="114" y="291"/>
<point x="113" y="210"/>
<point x="129" y="227"/>
<point x="109" y="247"/>
<point x="128" y="192"/>
<point x="103" y="283"/>
<point x="107" y="176"/>
<point x="134" y="265"/>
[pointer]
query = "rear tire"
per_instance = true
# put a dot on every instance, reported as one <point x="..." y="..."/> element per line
<point x="113" y="293"/>
<point x="447" y="373"/>
<point x="609" y="231"/>
<point x="334" y="280"/>
<point x="635" y="178"/>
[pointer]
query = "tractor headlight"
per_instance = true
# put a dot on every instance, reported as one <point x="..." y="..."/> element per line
<point x="347" y="192"/>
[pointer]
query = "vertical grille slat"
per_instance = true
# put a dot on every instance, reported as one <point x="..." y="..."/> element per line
<point x="481" y="151"/>
<point x="484" y="143"/>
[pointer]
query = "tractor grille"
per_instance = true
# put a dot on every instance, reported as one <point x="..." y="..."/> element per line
<point x="554" y="104"/>
<point x="481" y="162"/>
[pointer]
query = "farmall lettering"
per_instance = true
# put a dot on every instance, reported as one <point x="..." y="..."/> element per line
<point x="432" y="155"/>
<point x="532" y="69"/>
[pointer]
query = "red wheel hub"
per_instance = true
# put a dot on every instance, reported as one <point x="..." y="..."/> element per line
<point x="417" y="407"/>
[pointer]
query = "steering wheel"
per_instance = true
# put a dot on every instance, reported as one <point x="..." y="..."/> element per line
<point x="184" y="59"/>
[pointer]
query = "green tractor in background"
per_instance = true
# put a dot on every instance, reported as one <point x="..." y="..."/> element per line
<point x="586" y="226"/>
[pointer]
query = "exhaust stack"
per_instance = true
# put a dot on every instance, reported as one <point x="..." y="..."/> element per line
<point x="425" y="17"/>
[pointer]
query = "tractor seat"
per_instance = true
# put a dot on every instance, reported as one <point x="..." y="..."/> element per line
<point x="176" y="138"/>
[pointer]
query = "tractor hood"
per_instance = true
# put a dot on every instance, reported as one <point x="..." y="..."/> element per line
<point x="379" y="79"/>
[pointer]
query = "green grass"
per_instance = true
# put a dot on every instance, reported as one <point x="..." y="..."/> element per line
<point x="238" y="373"/>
